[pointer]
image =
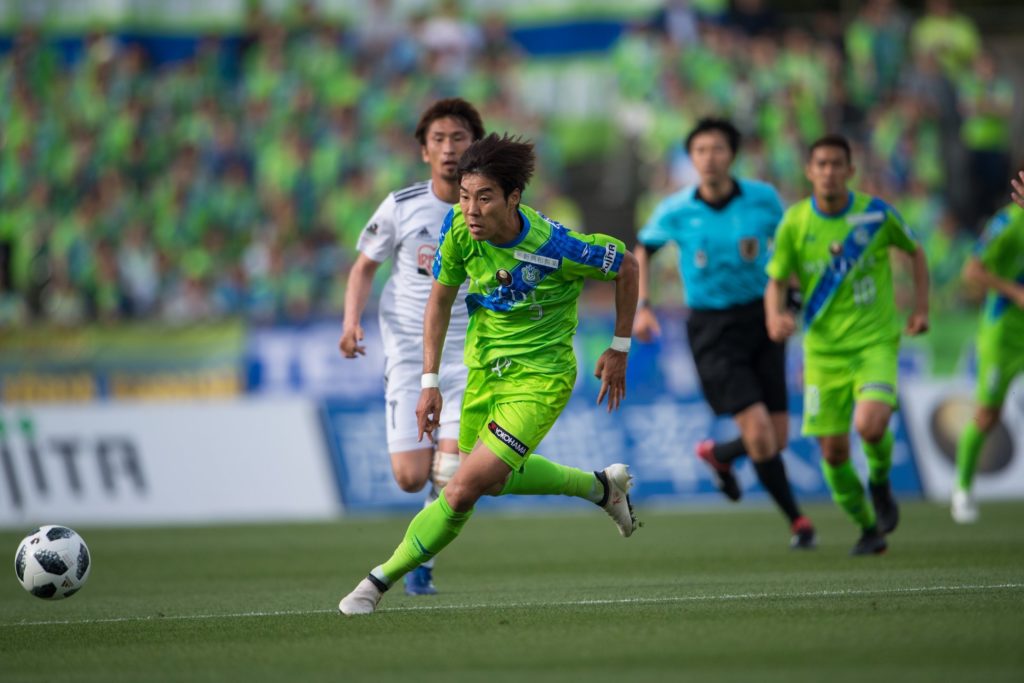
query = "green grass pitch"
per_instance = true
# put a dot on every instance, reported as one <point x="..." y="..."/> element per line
<point x="693" y="596"/>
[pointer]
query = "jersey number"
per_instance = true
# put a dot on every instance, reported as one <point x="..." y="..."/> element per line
<point x="536" y="310"/>
<point x="864" y="291"/>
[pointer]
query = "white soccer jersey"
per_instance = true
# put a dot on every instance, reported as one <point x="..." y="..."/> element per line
<point x="405" y="228"/>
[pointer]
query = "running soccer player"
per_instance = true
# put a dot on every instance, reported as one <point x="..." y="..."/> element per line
<point x="723" y="228"/>
<point x="526" y="273"/>
<point x="998" y="266"/>
<point x="836" y="243"/>
<point x="405" y="228"/>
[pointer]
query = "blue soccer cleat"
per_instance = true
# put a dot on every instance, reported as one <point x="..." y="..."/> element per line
<point x="420" y="581"/>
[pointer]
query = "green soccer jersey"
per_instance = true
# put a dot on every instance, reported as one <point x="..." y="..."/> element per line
<point x="522" y="295"/>
<point x="1001" y="251"/>
<point x="842" y="262"/>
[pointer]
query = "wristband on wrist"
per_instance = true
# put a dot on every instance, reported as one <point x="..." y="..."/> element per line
<point x="430" y="380"/>
<point x="643" y="303"/>
<point x="621" y="344"/>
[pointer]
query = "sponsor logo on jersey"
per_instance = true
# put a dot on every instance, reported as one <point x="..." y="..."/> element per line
<point x="425" y="258"/>
<point x="546" y="261"/>
<point x="424" y="233"/>
<point x="862" y="218"/>
<point x="507" y="439"/>
<point x="610" y="251"/>
<point x="503" y="277"/>
<point x="531" y="274"/>
<point x="750" y="247"/>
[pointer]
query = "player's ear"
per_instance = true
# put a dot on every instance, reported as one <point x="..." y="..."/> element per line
<point x="514" y="196"/>
<point x="424" y="155"/>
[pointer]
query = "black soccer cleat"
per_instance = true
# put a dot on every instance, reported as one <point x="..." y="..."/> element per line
<point x="886" y="509"/>
<point x="721" y="472"/>
<point x="871" y="542"/>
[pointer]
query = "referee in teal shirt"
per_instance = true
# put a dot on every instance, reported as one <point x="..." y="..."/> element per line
<point x="724" y="228"/>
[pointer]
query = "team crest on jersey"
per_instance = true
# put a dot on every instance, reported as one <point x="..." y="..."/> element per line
<point x="372" y="229"/>
<point x="503" y="277"/>
<point x="425" y="258"/>
<point x="861" y="236"/>
<point x="835" y="248"/>
<point x="750" y="247"/>
<point x="700" y="258"/>
<point x="531" y="274"/>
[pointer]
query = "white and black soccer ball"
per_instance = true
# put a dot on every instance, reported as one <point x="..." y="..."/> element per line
<point x="52" y="562"/>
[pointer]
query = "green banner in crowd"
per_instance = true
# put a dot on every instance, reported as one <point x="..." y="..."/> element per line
<point x="230" y="15"/>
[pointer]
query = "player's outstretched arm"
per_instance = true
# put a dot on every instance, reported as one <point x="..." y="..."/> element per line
<point x="611" y="366"/>
<point x="918" y="321"/>
<point x="357" y="292"/>
<point x="436" y="317"/>
<point x="1018" y="189"/>
<point x="645" y="326"/>
<point x="976" y="273"/>
<point x="778" y="318"/>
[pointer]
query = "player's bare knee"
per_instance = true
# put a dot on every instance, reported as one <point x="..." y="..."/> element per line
<point x="872" y="430"/>
<point x="835" y="451"/>
<point x="758" y="433"/>
<point x="409" y="481"/>
<point x="460" y="496"/>
<point x="986" y="418"/>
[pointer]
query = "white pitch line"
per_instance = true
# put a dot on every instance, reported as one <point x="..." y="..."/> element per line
<point x="566" y="603"/>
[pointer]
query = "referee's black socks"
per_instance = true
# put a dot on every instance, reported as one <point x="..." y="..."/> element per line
<point x="727" y="451"/>
<point x="772" y="474"/>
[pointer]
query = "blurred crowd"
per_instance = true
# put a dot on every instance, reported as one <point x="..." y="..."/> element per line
<point x="927" y="109"/>
<point x="234" y="183"/>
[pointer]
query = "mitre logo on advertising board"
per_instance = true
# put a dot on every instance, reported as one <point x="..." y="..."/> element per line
<point x="44" y="464"/>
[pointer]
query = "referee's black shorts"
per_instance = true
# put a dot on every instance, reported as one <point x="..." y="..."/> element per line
<point x="738" y="364"/>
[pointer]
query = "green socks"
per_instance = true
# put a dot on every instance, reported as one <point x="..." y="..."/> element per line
<point x="430" y="531"/>
<point x="879" y="457"/>
<point x="968" y="448"/>
<point x="540" y="476"/>
<point x="848" y="493"/>
<point x="437" y="524"/>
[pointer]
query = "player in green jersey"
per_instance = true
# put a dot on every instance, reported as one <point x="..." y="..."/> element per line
<point x="526" y="273"/>
<point x="837" y="244"/>
<point x="998" y="266"/>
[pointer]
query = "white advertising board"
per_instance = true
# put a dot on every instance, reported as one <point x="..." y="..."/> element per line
<point x="141" y="463"/>
<point x="936" y="413"/>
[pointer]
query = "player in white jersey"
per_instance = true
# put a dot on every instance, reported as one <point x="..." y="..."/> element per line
<point x="406" y="228"/>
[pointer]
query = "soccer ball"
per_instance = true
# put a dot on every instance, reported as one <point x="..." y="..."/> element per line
<point x="52" y="562"/>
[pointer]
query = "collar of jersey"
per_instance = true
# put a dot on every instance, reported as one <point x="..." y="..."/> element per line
<point x="849" y="203"/>
<point x="723" y="203"/>
<point x="517" y="240"/>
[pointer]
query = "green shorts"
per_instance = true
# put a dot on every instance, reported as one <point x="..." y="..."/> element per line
<point x="833" y="382"/>
<point x="510" y="409"/>
<point x="998" y="365"/>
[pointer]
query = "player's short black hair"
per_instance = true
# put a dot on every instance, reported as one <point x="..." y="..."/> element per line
<point x="455" y="107"/>
<point x="711" y="124"/>
<point x="507" y="160"/>
<point x="832" y="140"/>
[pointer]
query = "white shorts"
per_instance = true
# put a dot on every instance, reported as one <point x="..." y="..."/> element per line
<point x="402" y="393"/>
